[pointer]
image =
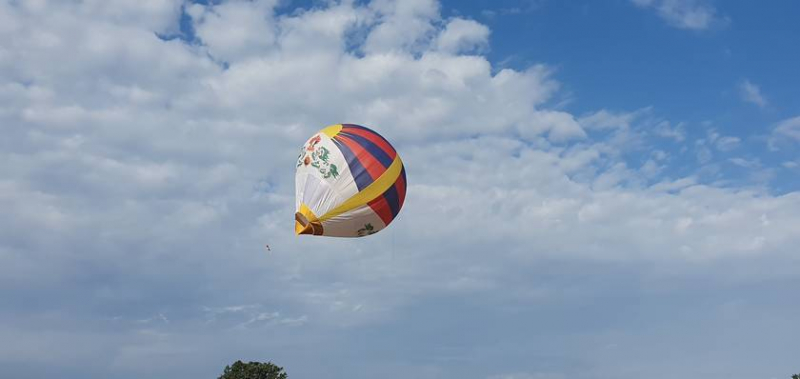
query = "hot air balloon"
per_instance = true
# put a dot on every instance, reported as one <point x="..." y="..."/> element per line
<point x="350" y="182"/>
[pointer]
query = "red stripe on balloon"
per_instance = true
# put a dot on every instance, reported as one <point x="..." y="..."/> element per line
<point x="400" y="185"/>
<point x="374" y="138"/>
<point x="381" y="207"/>
<point x="373" y="167"/>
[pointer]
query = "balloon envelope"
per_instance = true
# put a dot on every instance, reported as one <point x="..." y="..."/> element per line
<point x="350" y="182"/>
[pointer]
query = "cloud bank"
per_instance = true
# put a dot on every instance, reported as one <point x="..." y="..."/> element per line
<point x="148" y="160"/>
<point x="685" y="14"/>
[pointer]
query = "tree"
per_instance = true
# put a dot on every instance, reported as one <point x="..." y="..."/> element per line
<point x="796" y="376"/>
<point x="253" y="370"/>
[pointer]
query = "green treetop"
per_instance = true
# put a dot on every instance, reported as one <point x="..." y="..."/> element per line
<point x="253" y="370"/>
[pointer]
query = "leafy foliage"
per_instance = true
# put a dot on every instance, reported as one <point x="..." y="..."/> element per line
<point x="253" y="370"/>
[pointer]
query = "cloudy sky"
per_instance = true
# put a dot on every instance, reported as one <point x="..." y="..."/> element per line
<point x="596" y="189"/>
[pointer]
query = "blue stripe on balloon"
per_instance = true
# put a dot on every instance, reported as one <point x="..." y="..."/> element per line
<point x="360" y="174"/>
<point x="345" y="126"/>
<point x="393" y="200"/>
<point x="370" y="147"/>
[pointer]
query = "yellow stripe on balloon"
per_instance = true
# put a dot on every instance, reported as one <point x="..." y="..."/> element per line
<point x="377" y="188"/>
<point x="300" y="228"/>
<point x="332" y="130"/>
<point x="306" y="211"/>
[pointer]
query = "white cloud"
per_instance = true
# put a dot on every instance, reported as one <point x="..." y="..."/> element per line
<point x="605" y="119"/>
<point x="163" y="151"/>
<point x="560" y="126"/>
<point x="789" y="128"/>
<point x="525" y="375"/>
<point x="632" y="131"/>
<point x="523" y="7"/>
<point x="236" y="29"/>
<point x="704" y="154"/>
<point x="685" y="14"/>
<point x="157" y="318"/>
<point x="786" y="133"/>
<point x="666" y="130"/>
<point x="462" y="35"/>
<point x="403" y="25"/>
<point x="727" y="143"/>
<point x="751" y="93"/>
<point x="746" y="163"/>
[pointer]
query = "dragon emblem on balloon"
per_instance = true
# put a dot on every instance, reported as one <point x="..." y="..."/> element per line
<point x="315" y="155"/>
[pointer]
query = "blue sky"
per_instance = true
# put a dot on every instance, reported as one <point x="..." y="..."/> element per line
<point x="596" y="189"/>
<point x="688" y="75"/>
